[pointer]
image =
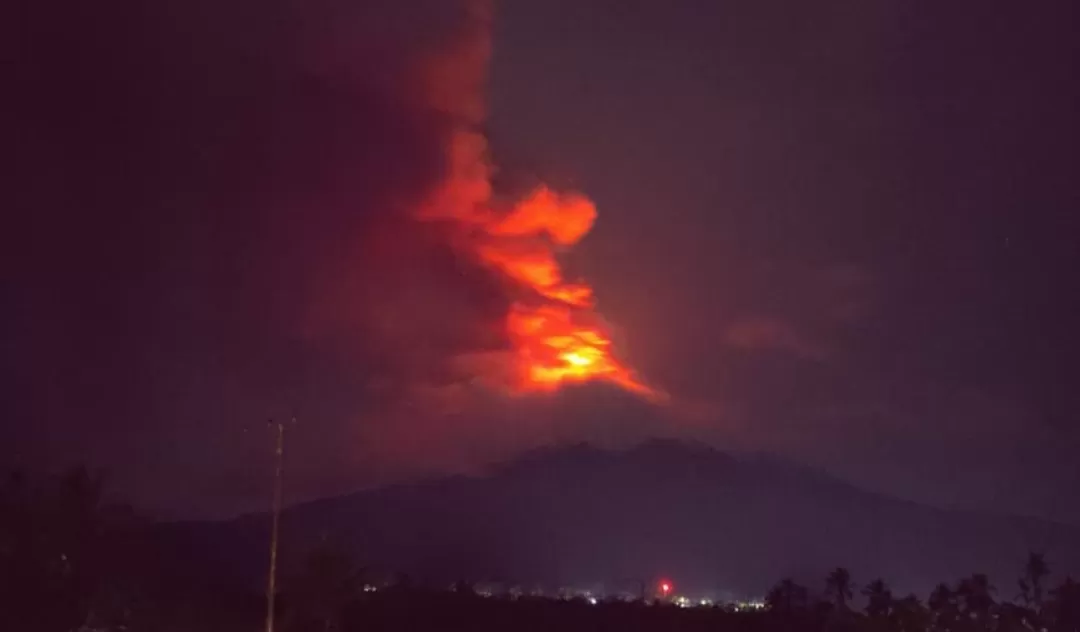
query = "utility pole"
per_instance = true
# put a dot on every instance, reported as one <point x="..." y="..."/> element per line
<point x="279" y="490"/>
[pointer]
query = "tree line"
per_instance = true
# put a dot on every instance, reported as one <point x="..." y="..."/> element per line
<point x="969" y="604"/>
<point x="70" y="560"/>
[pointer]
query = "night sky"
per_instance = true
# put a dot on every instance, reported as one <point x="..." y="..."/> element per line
<point x="842" y="233"/>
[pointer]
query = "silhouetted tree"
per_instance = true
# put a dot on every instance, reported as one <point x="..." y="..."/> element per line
<point x="976" y="599"/>
<point x="909" y="615"/>
<point x="878" y="599"/>
<point x="59" y="563"/>
<point x="1031" y="582"/>
<point x="944" y="607"/>
<point x="1063" y="608"/>
<point x="786" y="597"/>
<point x="1012" y="617"/>
<point x="317" y="596"/>
<point x="838" y="586"/>
<point x="61" y="571"/>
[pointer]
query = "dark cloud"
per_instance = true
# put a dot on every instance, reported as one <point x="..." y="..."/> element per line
<point x="211" y="225"/>
<point x="771" y="335"/>
<point x="890" y="183"/>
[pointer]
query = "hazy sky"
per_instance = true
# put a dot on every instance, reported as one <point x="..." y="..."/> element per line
<point x="843" y="234"/>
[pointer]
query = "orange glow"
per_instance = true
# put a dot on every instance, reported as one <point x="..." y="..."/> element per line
<point x="554" y="345"/>
<point x="555" y="334"/>
<point x="565" y="219"/>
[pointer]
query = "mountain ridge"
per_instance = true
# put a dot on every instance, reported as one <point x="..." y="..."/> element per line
<point x="581" y="515"/>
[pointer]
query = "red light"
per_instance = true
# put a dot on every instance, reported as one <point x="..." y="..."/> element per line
<point x="665" y="588"/>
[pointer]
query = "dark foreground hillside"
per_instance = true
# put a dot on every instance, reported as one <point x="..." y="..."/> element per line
<point x="69" y="561"/>
<point x="431" y="612"/>
<point x="400" y="608"/>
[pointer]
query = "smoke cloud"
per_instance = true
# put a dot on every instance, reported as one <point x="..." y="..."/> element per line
<point x="229" y="211"/>
<point x="548" y="333"/>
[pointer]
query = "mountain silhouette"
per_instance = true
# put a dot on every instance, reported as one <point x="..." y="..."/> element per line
<point x="582" y="516"/>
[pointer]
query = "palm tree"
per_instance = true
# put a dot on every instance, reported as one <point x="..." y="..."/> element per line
<point x="976" y="597"/>
<point x="944" y="607"/>
<point x="838" y="585"/>
<point x="786" y="597"/>
<point x="1063" y="607"/>
<point x="1031" y="583"/>
<point x="1012" y="617"/>
<point x="909" y="615"/>
<point x="879" y="599"/>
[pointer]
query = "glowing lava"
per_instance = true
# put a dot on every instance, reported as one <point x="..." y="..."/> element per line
<point x="556" y="335"/>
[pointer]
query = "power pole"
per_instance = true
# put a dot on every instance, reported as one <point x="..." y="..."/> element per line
<point x="279" y="491"/>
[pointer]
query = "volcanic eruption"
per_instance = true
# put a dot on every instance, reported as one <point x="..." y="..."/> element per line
<point x="555" y="334"/>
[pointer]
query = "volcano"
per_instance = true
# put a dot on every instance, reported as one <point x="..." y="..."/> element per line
<point x="577" y="515"/>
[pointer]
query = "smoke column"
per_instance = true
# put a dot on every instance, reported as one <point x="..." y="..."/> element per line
<point x="555" y="334"/>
